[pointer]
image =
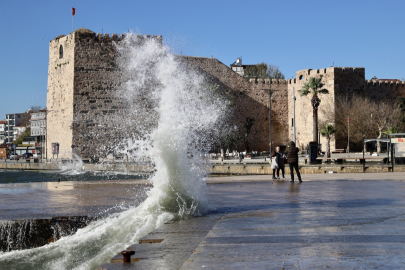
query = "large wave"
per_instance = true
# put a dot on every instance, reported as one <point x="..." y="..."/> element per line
<point x="171" y="111"/>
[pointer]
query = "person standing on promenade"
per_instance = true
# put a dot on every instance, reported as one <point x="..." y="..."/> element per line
<point x="292" y="158"/>
<point x="274" y="163"/>
<point x="281" y="159"/>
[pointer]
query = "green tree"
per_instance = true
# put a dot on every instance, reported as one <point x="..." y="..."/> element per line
<point x="226" y="135"/>
<point x="314" y="86"/>
<point x="248" y="127"/>
<point x="20" y="138"/>
<point x="328" y="131"/>
<point x="391" y="130"/>
<point x="401" y="107"/>
<point x="263" y="71"/>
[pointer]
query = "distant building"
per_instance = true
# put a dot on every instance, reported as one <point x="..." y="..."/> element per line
<point x="2" y="131"/>
<point x="38" y="123"/>
<point x="38" y="129"/>
<point x="3" y="151"/>
<point x="248" y="70"/>
<point x="28" y="146"/>
<point x="18" y="130"/>
<point x="239" y="68"/>
<point x="12" y="120"/>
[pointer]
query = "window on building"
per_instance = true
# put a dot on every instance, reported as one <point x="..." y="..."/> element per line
<point x="60" y="52"/>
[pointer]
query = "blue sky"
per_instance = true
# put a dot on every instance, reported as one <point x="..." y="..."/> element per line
<point x="292" y="34"/>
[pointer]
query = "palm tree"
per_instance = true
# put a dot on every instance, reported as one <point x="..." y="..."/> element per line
<point x="328" y="131"/>
<point x="314" y="86"/>
<point x="391" y="130"/>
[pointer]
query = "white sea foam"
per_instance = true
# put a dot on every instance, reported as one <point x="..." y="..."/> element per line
<point x="173" y="111"/>
<point x="73" y="168"/>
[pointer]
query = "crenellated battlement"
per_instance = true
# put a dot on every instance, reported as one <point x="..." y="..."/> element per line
<point x="314" y="72"/>
<point x="329" y="70"/>
<point x="385" y="83"/>
<point x="115" y="37"/>
<point x="107" y="36"/>
<point x="84" y="34"/>
<point x="345" y="70"/>
<point x="261" y="81"/>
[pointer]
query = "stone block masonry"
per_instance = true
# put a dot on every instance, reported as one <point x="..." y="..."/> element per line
<point x="84" y="77"/>
<point x="82" y="80"/>
<point x="251" y="99"/>
<point x="340" y="82"/>
<point x="82" y="100"/>
<point x="32" y="233"/>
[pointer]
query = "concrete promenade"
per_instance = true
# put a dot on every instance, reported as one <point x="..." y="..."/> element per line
<point x="330" y="221"/>
<point x="226" y="167"/>
<point x="44" y="200"/>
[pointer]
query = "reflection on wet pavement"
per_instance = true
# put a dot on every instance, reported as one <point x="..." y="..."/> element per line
<point x="49" y="199"/>
<point x="334" y="224"/>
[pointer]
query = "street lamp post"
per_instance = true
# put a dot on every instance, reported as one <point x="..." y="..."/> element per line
<point x="254" y="141"/>
<point x="271" y="91"/>
<point x="46" y="133"/>
<point x="293" y="123"/>
<point x="348" y="136"/>
<point x="46" y="136"/>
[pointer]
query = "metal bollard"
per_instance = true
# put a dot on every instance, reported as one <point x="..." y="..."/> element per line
<point x="127" y="255"/>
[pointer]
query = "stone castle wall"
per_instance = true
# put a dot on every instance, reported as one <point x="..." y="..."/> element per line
<point x="94" y="97"/>
<point x="82" y="98"/>
<point x="348" y="82"/>
<point x="60" y="95"/>
<point x="378" y="90"/>
<point x="303" y="108"/>
<point x="341" y="83"/>
<point x="251" y="100"/>
<point x="279" y="110"/>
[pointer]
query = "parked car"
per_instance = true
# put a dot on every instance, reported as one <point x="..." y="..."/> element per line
<point x="14" y="157"/>
<point x="27" y="155"/>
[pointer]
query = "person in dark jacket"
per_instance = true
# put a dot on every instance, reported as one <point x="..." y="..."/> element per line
<point x="292" y="158"/>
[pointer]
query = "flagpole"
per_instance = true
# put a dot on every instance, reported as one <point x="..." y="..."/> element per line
<point x="348" y="136"/>
<point x="72" y="19"/>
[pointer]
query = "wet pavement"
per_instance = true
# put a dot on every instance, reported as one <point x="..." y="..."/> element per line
<point x="350" y="221"/>
<point x="44" y="200"/>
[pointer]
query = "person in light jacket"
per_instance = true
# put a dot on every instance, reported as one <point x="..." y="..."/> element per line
<point x="281" y="166"/>
<point x="292" y="158"/>
<point x="274" y="163"/>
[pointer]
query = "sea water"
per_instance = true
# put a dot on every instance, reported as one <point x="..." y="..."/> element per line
<point x="175" y="112"/>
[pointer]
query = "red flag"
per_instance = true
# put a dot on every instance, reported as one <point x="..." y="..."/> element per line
<point x="73" y="11"/>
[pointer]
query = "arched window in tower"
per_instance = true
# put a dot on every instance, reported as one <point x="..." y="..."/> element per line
<point x="60" y="52"/>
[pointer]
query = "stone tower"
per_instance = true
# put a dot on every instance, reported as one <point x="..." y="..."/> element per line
<point x="339" y="81"/>
<point x="81" y="80"/>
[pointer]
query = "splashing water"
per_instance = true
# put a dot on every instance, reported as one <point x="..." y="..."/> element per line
<point x="74" y="168"/>
<point x="171" y="113"/>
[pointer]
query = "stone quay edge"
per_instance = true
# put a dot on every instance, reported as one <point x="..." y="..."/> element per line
<point x="215" y="169"/>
